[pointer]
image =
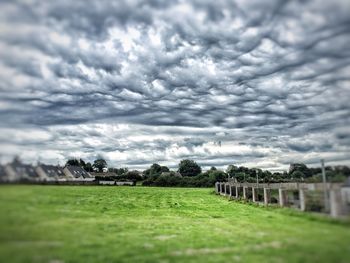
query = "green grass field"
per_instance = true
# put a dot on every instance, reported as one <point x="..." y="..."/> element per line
<point x="138" y="224"/>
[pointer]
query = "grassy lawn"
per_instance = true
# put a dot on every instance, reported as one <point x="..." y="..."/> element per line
<point x="128" y="224"/>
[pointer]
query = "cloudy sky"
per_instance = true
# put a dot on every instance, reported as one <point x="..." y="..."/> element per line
<point x="255" y="83"/>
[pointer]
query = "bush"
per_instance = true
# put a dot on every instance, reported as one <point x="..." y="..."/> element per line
<point x="132" y="175"/>
<point x="171" y="180"/>
<point x="129" y="176"/>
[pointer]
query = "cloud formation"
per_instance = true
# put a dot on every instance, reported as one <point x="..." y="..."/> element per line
<point x="157" y="81"/>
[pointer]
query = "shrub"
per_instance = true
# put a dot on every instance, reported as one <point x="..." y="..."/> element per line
<point x="170" y="179"/>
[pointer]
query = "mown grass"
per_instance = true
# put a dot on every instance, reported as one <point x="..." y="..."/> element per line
<point x="144" y="224"/>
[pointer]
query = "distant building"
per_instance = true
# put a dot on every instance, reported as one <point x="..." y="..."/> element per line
<point x="17" y="171"/>
<point x="50" y="172"/>
<point x="2" y="173"/>
<point x="171" y="173"/>
<point x="76" y="172"/>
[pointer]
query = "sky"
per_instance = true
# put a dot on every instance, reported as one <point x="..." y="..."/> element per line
<point x="255" y="83"/>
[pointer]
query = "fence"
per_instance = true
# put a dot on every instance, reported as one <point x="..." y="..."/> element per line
<point x="303" y="196"/>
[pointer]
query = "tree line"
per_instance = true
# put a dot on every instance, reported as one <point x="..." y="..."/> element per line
<point x="190" y="174"/>
<point x="97" y="165"/>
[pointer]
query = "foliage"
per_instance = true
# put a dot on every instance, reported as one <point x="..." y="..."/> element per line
<point x="189" y="168"/>
<point x="99" y="164"/>
<point x="81" y="163"/>
<point x="88" y="167"/>
<point x="232" y="170"/>
<point x="302" y="169"/>
<point x="131" y="175"/>
<point x="154" y="170"/>
<point x="73" y="162"/>
<point x="118" y="171"/>
<point x="206" y="179"/>
<point x="297" y="174"/>
<point x="164" y="169"/>
<point x="128" y="176"/>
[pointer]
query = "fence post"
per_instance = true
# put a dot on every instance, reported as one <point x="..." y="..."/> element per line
<point x="302" y="199"/>
<point x="267" y="196"/>
<point x="254" y="194"/>
<point x="282" y="197"/>
<point x="336" y="203"/>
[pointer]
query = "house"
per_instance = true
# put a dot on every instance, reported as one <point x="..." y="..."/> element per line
<point x="77" y="173"/>
<point x="50" y="172"/>
<point x="2" y="173"/>
<point x="17" y="171"/>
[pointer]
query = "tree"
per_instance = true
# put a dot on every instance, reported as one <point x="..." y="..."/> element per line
<point x="131" y="175"/>
<point x="297" y="175"/>
<point x="88" y="167"/>
<point x="241" y="177"/>
<point x="189" y="168"/>
<point x="76" y="162"/>
<point x="155" y="170"/>
<point x="232" y="170"/>
<point x="164" y="169"/>
<point x="82" y="163"/>
<point x="217" y="176"/>
<point x="72" y="162"/>
<point x="99" y="164"/>
<point x="121" y="171"/>
<point x="301" y="168"/>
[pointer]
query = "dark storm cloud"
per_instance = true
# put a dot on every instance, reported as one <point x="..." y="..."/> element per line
<point x="266" y="73"/>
